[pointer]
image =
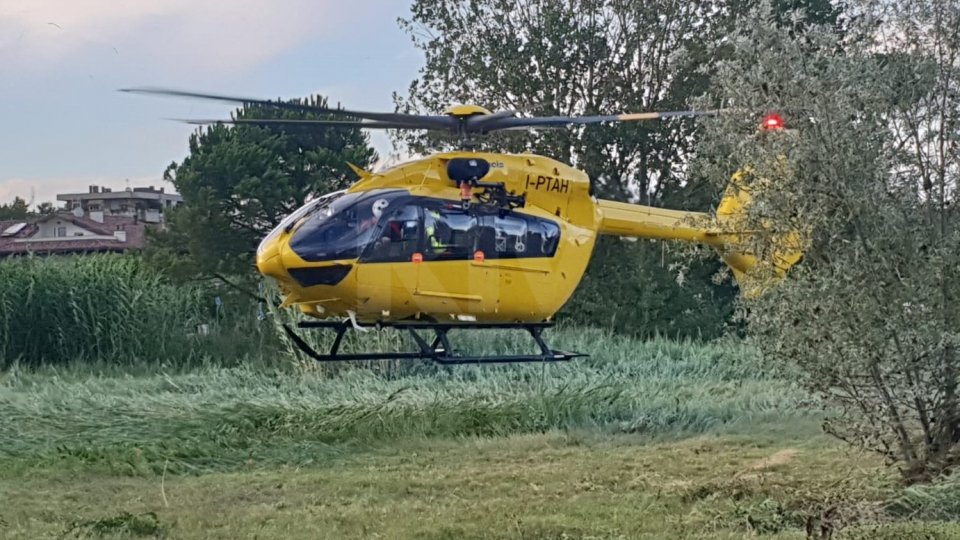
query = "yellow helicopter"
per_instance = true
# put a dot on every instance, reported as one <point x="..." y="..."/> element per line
<point x="465" y="239"/>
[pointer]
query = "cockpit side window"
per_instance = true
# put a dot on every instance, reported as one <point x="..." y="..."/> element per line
<point x="398" y="236"/>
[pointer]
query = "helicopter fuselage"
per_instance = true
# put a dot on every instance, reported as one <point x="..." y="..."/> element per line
<point x="399" y="244"/>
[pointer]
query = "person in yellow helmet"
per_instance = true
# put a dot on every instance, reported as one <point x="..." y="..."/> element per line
<point x="433" y="218"/>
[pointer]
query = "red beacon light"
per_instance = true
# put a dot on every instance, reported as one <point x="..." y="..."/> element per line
<point x="772" y="122"/>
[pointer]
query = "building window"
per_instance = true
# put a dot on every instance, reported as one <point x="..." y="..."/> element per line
<point x="94" y="207"/>
<point x="61" y="232"/>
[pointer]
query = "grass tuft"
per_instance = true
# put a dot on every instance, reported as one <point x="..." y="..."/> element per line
<point x="125" y="523"/>
<point x="933" y="502"/>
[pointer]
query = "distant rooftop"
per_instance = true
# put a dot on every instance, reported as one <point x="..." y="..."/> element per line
<point x="72" y="232"/>
<point x="101" y="193"/>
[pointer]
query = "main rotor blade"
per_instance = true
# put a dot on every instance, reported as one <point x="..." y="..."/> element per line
<point x="563" y="121"/>
<point x="481" y="121"/>
<point x="372" y="124"/>
<point x="409" y="120"/>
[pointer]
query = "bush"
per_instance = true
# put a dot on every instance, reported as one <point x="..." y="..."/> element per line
<point x="869" y="319"/>
<point x="632" y="288"/>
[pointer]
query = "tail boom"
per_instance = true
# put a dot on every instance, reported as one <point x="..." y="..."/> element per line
<point x="634" y="220"/>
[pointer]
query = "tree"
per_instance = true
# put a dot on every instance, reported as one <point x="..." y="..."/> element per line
<point x="45" y="208"/>
<point x="869" y="175"/>
<point x="18" y="209"/>
<point x="572" y="57"/>
<point x="239" y="182"/>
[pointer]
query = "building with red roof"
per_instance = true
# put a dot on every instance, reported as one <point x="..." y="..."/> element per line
<point x="95" y="222"/>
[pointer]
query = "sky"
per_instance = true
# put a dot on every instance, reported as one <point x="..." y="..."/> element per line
<point x="66" y="127"/>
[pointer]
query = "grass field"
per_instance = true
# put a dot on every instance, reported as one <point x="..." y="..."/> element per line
<point x="643" y="439"/>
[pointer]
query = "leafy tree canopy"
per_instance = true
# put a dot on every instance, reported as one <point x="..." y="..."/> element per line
<point x="239" y="182"/>
<point x="573" y="57"/>
<point x="17" y="209"/>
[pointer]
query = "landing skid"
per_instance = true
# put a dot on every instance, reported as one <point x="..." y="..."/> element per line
<point x="439" y="350"/>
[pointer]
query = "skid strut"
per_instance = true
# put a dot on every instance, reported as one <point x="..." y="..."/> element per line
<point x="438" y="350"/>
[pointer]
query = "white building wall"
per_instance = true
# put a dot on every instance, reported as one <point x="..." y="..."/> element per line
<point x="48" y="229"/>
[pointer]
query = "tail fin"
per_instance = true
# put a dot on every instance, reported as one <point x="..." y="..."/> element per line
<point x="754" y="272"/>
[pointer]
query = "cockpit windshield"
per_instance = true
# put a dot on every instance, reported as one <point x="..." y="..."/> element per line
<point x="343" y="228"/>
<point x="315" y="205"/>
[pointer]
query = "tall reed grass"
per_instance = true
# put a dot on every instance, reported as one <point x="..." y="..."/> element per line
<point x="59" y="310"/>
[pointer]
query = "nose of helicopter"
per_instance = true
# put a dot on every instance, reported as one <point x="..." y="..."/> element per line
<point x="315" y="289"/>
<point x="269" y="262"/>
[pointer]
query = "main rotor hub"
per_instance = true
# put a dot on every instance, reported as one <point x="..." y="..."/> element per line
<point x="462" y="111"/>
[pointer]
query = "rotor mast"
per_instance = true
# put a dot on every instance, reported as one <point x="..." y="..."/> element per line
<point x="464" y="114"/>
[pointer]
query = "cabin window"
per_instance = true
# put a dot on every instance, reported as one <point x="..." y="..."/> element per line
<point x="516" y="236"/>
<point x="391" y="226"/>
<point x="450" y="233"/>
<point x="454" y="234"/>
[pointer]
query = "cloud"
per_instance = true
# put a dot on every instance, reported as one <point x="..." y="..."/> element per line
<point x="219" y="35"/>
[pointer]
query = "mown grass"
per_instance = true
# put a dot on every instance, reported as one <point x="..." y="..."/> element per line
<point x="552" y="485"/>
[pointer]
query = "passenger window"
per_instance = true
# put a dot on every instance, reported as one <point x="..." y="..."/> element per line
<point x="453" y="234"/>
<point x="517" y="236"/>
<point x="511" y="237"/>
<point x="545" y="237"/>
<point x="397" y="239"/>
<point x="450" y="234"/>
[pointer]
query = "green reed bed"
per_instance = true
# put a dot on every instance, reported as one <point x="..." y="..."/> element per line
<point x="65" y="309"/>
<point x="113" y="311"/>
